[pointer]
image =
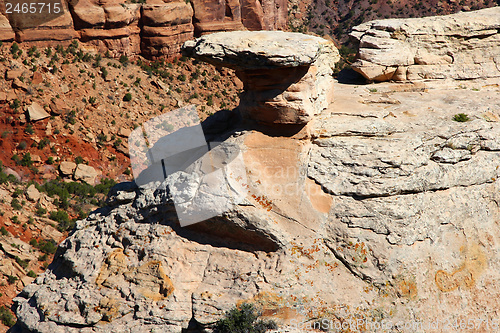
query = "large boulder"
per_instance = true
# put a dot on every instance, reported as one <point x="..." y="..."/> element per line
<point x="287" y="77"/>
<point x="458" y="46"/>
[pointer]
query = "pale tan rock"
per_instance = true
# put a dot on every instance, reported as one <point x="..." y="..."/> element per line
<point x="459" y="46"/>
<point x="6" y="32"/>
<point x="32" y="193"/>
<point x="86" y="173"/>
<point x="18" y="84"/>
<point x="49" y="232"/>
<point x="36" y="112"/>
<point x="124" y="132"/>
<point x="67" y="168"/>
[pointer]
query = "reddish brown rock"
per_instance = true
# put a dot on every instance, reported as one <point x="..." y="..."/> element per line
<point x="212" y="16"/>
<point x="166" y="27"/>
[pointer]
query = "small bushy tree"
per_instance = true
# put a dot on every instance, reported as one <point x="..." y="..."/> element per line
<point x="243" y="320"/>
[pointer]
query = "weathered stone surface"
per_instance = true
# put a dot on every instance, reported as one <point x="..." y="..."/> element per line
<point x="67" y="168"/>
<point x="32" y="193"/>
<point x="6" y="32"/>
<point x="210" y="16"/>
<point x="287" y="77"/>
<point x="13" y="74"/>
<point x="153" y="29"/>
<point x="386" y="211"/>
<point x="166" y="27"/>
<point x="459" y="46"/>
<point x="86" y="173"/>
<point x="36" y="112"/>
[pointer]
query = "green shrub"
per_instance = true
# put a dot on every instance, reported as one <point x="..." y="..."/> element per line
<point x="14" y="48"/>
<point x="461" y="117"/>
<point x="4" y="231"/>
<point x="40" y="211"/>
<point x="123" y="59"/>
<point x="32" y="274"/>
<point x="23" y="263"/>
<point x="78" y="160"/>
<point x="22" y="145"/>
<point x="44" y="142"/>
<point x="29" y="129"/>
<point x="15" y="104"/>
<point x="62" y="218"/>
<point x="6" y="317"/>
<point x="26" y="160"/>
<point x="243" y="320"/>
<point x="11" y="279"/>
<point x="15" y="204"/>
<point x="127" y="97"/>
<point x="47" y="246"/>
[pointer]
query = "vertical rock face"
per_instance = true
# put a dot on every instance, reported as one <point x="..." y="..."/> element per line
<point x="459" y="46"/>
<point x="109" y="26"/>
<point x="44" y="27"/>
<point x="287" y="77"/>
<point x="166" y="27"/>
<point x="154" y="29"/>
<point x="6" y="32"/>
<point x="213" y="15"/>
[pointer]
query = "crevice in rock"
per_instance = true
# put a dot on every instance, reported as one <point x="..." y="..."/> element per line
<point x="347" y="265"/>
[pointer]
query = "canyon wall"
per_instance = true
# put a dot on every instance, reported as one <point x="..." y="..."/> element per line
<point x="153" y="29"/>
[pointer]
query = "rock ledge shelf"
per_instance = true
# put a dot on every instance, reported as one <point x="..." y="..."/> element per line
<point x="287" y="77"/>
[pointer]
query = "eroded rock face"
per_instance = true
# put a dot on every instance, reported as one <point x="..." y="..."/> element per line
<point x="287" y="77"/>
<point x="166" y="27"/>
<point x="389" y="210"/>
<point x="458" y="46"/>
<point x="153" y="29"/>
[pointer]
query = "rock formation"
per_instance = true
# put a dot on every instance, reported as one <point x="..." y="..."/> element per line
<point x="281" y="86"/>
<point x="389" y="211"/>
<point x="458" y="46"/>
<point x="153" y="29"/>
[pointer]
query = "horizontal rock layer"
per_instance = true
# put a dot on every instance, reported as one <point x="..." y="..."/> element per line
<point x="458" y="46"/>
<point x="153" y="29"/>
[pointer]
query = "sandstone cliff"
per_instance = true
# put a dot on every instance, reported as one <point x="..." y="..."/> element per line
<point x="382" y="207"/>
<point x="459" y="46"/>
<point x="153" y="29"/>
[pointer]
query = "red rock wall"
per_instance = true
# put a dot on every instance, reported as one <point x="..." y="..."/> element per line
<point x="153" y="29"/>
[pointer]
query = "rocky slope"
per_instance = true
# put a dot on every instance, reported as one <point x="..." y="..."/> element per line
<point x="460" y="46"/>
<point x="150" y="28"/>
<point x="384" y="207"/>
<point x="78" y="95"/>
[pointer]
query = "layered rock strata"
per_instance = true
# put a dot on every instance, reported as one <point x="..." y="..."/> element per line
<point x="459" y="46"/>
<point x="388" y="212"/>
<point x="153" y="29"/>
<point x="287" y="77"/>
